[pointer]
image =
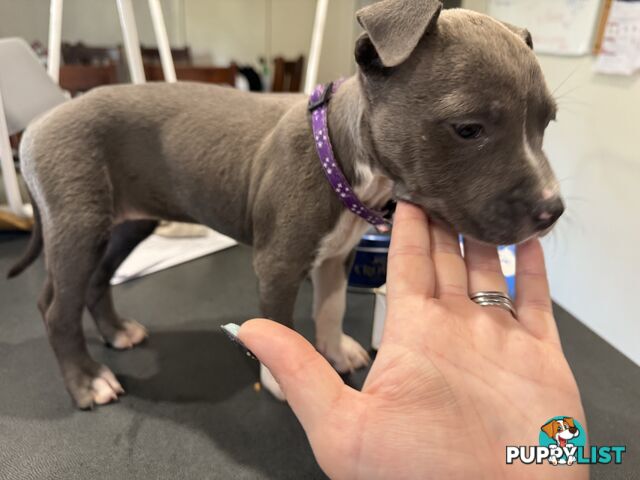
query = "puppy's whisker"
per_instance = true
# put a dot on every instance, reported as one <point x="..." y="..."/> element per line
<point x="572" y="112"/>
<point x="568" y="92"/>
<point x="571" y="220"/>
<point x="573" y="103"/>
<point x="568" y="102"/>
<point x="567" y="220"/>
<point x="564" y="179"/>
<point x="576" y="199"/>
<point x="575" y="70"/>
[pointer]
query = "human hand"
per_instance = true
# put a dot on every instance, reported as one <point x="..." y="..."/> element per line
<point x="453" y="383"/>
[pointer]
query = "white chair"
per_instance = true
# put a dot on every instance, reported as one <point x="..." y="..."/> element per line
<point x="26" y="92"/>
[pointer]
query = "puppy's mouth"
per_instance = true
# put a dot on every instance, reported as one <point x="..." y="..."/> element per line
<point x="544" y="232"/>
<point x="483" y="231"/>
<point x="492" y="237"/>
<point x="488" y="231"/>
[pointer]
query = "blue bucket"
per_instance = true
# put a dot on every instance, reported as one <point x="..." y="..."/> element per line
<point x="369" y="268"/>
<point x="508" y="263"/>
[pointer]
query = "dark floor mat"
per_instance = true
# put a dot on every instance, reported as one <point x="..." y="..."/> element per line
<point x="191" y="409"/>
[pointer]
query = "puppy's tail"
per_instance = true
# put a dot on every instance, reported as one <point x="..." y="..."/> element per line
<point x="33" y="248"/>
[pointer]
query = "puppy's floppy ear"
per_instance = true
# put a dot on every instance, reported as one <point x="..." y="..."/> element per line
<point x="550" y="428"/>
<point x="394" y="28"/>
<point x="569" y="421"/>
<point x="523" y="33"/>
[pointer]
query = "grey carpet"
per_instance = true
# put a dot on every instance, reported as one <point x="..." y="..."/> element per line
<point x="191" y="409"/>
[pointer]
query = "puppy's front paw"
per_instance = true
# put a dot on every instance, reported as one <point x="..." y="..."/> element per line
<point x="132" y="333"/>
<point x="269" y="382"/>
<point x="347" y="355"/>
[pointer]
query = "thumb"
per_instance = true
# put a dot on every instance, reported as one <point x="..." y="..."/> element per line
<point x="310" y="384"/>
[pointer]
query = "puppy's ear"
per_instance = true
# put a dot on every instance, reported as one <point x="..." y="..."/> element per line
<point x="550" y="428"/>
<point x="523" y="33"/>
<point x="393" y="29"/>
<point x="569" y="421"/>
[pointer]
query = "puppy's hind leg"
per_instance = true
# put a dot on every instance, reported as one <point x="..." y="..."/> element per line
<point x="46" y="296"/>
<point x="117" y="332"/>
<point x="329" y="303"/>
<point x="72" y="251"/>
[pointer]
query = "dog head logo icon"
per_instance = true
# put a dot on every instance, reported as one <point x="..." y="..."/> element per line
<point x="561" y="434"/>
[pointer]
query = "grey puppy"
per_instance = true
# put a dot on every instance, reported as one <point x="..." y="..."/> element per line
<point x="447" y="111"/>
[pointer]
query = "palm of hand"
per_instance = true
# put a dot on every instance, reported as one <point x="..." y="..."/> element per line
<point x="472" y="387"/>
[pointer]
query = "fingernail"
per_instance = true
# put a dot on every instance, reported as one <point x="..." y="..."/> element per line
<point x="231" y="329"/>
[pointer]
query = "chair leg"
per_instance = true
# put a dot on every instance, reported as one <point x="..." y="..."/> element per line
<point x="8" y="169"/>
<point x="316" y="45"/>
<point x="55" y="39"/>
<point x="162" y="39"/>
<point x="131" y="41"/>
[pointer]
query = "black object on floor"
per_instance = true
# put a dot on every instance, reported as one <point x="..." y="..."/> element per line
<point x="191" y="409"/>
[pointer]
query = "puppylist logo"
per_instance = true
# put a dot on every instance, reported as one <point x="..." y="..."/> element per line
<point x="563" y="442"/>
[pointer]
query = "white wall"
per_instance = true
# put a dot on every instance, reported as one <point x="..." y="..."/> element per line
<point x="94" y="22"/>
<point x="593" y="256"/>
<point x="24" y="18"/>
<point x="594" y="259"/>
<point x="243" y="30"/>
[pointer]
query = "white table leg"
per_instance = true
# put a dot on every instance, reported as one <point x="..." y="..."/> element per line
<point x="316" y="46"/>
<point x="55" y="39"/>
<point x="131" y="41"/>
<point x="164" y="47"/>
<point x="8" y="170"/>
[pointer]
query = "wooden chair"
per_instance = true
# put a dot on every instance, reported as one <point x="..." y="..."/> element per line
<point x="77" y="79"/>
<point x="287" y="75"/>
<point x="205" y="74"/>
<point x="86" y="67"/>
<point x="181" y="56"/>
<point x="81" y="54"/>
<point x="26" y="92"/>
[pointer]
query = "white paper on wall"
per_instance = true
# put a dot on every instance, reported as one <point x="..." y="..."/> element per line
<point x="561" y="27"/>
<point x="620" y="51"/>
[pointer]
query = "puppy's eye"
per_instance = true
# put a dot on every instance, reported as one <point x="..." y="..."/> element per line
<point x="468" y="131"/>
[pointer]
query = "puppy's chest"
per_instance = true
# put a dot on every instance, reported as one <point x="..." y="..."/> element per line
<point x="374" y="191"/>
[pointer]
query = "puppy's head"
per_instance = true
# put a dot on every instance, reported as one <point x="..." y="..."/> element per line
<point x="455" y="111"/>
<point x="561" y="430"/>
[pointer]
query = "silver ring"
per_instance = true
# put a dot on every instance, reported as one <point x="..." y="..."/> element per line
<point x="495" y="299"/>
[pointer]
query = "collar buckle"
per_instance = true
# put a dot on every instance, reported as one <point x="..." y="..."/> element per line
<point x="323" y="99"/>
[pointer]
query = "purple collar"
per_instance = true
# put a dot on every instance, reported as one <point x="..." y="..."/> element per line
<point x="318" y="106"/>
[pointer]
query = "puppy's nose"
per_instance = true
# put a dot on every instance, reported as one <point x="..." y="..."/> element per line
<point x="547" y="212"/>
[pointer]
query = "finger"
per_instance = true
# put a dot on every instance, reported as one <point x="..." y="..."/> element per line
<point x="484" y="270"/>
<point x="409" y="269"/>
<point x="309" y="383"/>
<point x="451" y="273"/>
<point x="533" y="302"/>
